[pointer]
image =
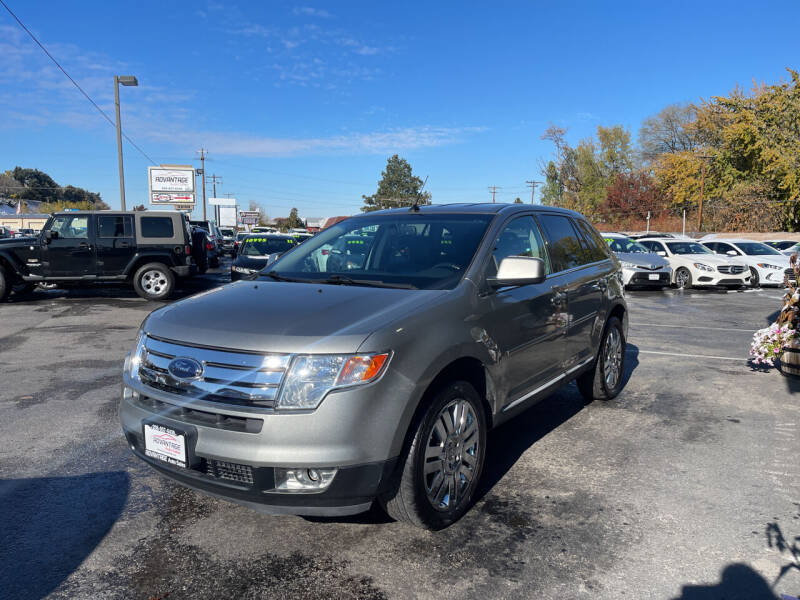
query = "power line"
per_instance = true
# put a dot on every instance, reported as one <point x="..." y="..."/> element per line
<point x="75" y="83"/>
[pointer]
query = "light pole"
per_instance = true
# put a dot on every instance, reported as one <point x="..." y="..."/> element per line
<point x="124" y="80"/>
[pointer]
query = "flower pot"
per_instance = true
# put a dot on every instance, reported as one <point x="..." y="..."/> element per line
<point x="789" y="364"/>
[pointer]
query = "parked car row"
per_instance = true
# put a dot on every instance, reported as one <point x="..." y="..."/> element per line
<point x="711" y="261"/>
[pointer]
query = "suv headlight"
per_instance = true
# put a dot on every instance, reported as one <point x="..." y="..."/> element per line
<point x="311" y="377"/>
<point x="134" y="359"/>
<point x="768" y="266"/>
<point x="703" y="267"/>
<point x="244" y="270"/>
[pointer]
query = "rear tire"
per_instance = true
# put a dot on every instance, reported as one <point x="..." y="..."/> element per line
<point x="683" y="278"/>
<point x="5" y="285"/>
<point x="439" y="472"/>
<point x="154" y="281"/>
<point x="604" y="380"/>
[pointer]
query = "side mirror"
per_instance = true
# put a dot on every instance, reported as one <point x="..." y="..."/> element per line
<point x="518" y="270"/>
<point x="50" y="235"/>
<point x="732" y="253"/>
<point x="661" y="253"/>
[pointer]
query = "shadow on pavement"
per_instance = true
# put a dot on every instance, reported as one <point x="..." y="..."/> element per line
<point x="183" y="289"/>
<point x="50" y="526"/>
<point x="737" y="582"/>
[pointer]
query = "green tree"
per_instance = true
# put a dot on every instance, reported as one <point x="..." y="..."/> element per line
<point x="293" y="222"/>
<point x="398" y="187"/>
<point x="517" y="200"/>
<point x="37" y="186"/>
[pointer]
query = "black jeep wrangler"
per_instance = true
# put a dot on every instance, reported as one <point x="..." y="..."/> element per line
<point x="148" y="249"/>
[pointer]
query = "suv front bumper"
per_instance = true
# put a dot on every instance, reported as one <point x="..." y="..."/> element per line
<point x="232" y="451"/>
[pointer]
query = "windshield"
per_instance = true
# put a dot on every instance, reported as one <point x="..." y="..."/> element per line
<point x="262" y="246"/>
<point x="626" y="245"/>
<point x="756" y="249"/>
<point x="416" y="250"/>
<point x="226" y="232"/>
<point x="687" y="248"/>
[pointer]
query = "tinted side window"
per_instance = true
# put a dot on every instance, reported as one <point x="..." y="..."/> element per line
<point x="566" y="251"/>
<point x="521" y="237"/>
<point x="157" y="227"/>
<point x="114" y="226"/>
<point x="653" y="246"/>
<point x="596" y="248"/>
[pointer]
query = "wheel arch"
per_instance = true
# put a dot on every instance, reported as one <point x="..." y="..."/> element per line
<point x="142" y="259"/>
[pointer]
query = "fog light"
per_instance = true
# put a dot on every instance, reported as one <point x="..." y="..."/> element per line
<point x="303" y="481"/>
<point x="129" y="393"/>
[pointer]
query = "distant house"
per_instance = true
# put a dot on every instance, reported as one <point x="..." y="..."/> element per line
<point x="333" y="221"/>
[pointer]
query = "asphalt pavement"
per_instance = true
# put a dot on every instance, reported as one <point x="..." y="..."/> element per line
<point x="684" y="487"/>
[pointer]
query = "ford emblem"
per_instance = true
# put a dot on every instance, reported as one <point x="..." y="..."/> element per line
<point x="185" y="368"/>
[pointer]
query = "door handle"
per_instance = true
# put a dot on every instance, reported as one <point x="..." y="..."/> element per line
<point x="124" y="245"/>
<point x="558" y="298"/>
<point x="85" y="245"/>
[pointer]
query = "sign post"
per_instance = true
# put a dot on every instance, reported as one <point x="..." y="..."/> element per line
<point x="172" y="185"/>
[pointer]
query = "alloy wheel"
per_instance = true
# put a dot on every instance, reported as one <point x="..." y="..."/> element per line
<point x="451" y="455"/>
<point x="612" y="358"/>
<point x="682" y="278"/>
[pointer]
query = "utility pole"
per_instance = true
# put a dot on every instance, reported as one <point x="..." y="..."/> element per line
<point x="493" y="189"/>
<point x="532" y="185"/>
<point x="684" y="221"/>
<point x="648" y="221"/>
<point x="203" y="153"/>
<point x="702" y="190"/>
<point x="214" y="178"/>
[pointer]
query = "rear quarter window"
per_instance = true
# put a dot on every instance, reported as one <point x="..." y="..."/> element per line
<point x="157" y="227"/>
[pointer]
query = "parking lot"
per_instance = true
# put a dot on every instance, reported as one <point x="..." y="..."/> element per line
<point x="685" y="486"/>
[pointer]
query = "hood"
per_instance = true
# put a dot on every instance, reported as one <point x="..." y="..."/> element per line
<point x="20" y="242"/>
<point x="274" y="316"/>
<point x="644" y="259"/>
<point x="711" y="259"/>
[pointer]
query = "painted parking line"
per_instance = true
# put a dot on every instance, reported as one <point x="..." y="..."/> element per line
<point x="635" y="324"/>
<point x="685" y="355"/>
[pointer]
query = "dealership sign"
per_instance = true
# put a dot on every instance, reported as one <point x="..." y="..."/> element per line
<point x="172" y="184"/>
<point x="249" y="217"/>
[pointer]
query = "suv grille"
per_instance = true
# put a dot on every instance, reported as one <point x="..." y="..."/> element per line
<point x="232" y="377"/>
<point x="230" y="471"/>
<point x="731" y="269"/>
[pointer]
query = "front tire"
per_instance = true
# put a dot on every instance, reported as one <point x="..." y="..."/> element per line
<point x="154" y="281"/>
<point x="604" y="380"/>
<point x="5" y="285"/>
<point x="683" y="278"/>
<point x="755" y="280"/>
<point x="441" y="469"/>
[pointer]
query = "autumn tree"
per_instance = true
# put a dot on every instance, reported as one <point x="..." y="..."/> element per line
<point x="398" y="187"/>
<point x="630" y="196"/>
<point x="669" y="132"/>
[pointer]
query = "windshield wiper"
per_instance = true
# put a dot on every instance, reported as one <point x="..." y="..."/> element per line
<point x="277" y="277"/>
<point x="345" y="280"/>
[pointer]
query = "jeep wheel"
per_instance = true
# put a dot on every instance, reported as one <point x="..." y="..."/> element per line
<point x="604" y="380"/>
<point x="154" y="281"/>
<point x="5" y="285"/>
<point x="439" y="472"/>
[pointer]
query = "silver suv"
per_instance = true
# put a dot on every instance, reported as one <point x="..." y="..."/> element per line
<point x="317" y="388"/>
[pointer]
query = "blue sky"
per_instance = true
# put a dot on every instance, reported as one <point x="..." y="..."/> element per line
<point x="300" y="104"/>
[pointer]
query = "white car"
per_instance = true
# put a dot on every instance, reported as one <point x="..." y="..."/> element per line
<point x="640" y="266"/>
<point x="767" y="265"/>
<point x="694" y="265"/>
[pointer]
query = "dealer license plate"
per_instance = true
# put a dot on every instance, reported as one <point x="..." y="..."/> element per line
<point x="654" y="277"/>
<point x="165" y="444"/>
